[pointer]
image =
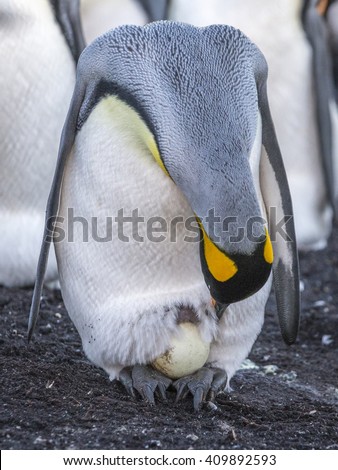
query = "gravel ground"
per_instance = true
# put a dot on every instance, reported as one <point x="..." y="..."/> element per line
<point x="286" y="398"/>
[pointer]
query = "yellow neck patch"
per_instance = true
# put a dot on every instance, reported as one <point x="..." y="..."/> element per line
<point x="268" y="250"/>
<point x="133" y="119"/>
<point x="219" y="264"/>
<point x="149" y="139"/>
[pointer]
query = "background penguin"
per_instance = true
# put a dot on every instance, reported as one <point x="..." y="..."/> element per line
<point x="37" y="79"/>
<point x="329" y="12"/>
<point x="38" y="92"/>
<point x="170" y="120"/>
<point x="328" y="9"/>
<point x="315" y="15"/>
<point x="99" y="16"/>
<point x="276" y="27"/>
<point x="331" y="15"/>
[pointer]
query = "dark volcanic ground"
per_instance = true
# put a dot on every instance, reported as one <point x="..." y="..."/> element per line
<point x="53" y="398"/>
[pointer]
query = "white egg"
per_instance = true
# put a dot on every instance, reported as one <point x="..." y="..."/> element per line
<point x="187" y="354"/>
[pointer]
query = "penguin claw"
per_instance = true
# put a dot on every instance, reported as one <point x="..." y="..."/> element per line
<point x="146" y="381"/>
<point x="162" y="391"/>
<point x="198" y="398"/>
<point x="218" y="384"/>
<point x="147" y="393"/>
<point x="206" y="382"/>
<point x="182" y="390"/>
<point x="126" y="381"/>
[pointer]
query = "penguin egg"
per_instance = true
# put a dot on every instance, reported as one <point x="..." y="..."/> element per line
<point x="187" y="354"/>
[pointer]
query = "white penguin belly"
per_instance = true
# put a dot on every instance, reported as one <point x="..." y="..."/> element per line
<point x="278" y="32"/>
<point x="123" y="297"/>
<point x="36" y="91"/>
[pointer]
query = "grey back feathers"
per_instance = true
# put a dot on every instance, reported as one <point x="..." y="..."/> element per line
<point x="199" y="90"/>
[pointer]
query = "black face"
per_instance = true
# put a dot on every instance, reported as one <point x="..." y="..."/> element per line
<point x="252" y="273"/>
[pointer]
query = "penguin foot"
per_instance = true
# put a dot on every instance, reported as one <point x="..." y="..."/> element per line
<point x="203" y="384"/>
<point x="146" y="380"/>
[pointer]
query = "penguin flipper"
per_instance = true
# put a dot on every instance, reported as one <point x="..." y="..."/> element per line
<point x="277" y="199"/>
<point x="67" y="13"/>
<point x="318" y="36"/>
<point x="66" y="144"/>
<point x="156" y="9"/>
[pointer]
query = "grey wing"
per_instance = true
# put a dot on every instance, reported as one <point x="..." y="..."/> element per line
<point x="277" y="199"/>
<point x="66" y="144"/>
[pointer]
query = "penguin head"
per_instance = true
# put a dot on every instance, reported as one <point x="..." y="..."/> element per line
<point x="200" y="110"/>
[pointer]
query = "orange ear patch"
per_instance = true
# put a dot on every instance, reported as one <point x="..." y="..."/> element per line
<point x="268" y="250"/>
<point x="322" y="6"/>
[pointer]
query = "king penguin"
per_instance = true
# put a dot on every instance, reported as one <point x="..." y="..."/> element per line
<point x="299" y="92"/>
<point x="320" y="26"/>
<point x="328" y="10"/>
<point x="331" y="15"/>
<point x="37" y="40"/>
<point x="168" y="128"/>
